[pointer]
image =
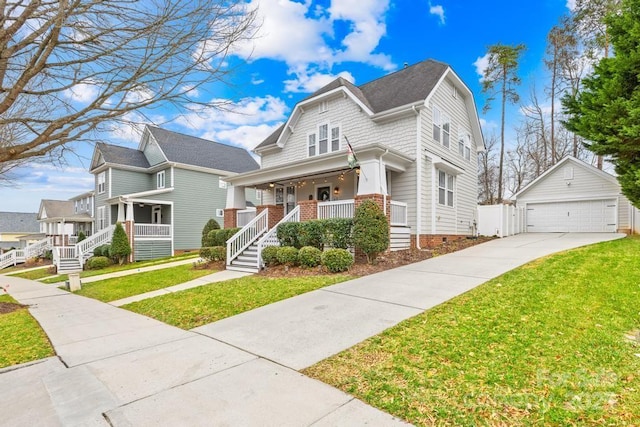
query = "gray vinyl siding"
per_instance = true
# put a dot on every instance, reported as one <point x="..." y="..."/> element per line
<point x="151" y="249"/>
<point x="127" y="182"/>
<point x="459" y="219"/>
<point x="100" y="199"/>
<point x="153" y="153"/>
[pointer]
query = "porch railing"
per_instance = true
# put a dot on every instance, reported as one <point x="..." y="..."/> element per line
<point x="11" y="258"/>
<point x="152" y="230"/>
<point x="16" y="256"/>
<point x="73" y="240"/>
<point x="245" y="216"/>
<point x="271" y="237"/>
<point x="398" y="213"/>
<point x="247" y="235"/>
<point x="336" y="209"/>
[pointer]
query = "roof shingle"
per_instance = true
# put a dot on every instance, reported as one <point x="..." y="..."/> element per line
<point x="18" y="222"/>
<point x="122" y="155"/>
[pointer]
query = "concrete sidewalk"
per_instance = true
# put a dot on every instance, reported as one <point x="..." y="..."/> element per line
<point x="118" y="368"/>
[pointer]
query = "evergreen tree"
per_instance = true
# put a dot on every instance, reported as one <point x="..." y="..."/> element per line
<point x="120" y="248"/>
<point x="212" y="224"/>
<point x="607" y="110"/>
<point x="370" y="230"/>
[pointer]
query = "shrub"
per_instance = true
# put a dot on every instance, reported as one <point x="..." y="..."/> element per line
<point x="102" y="250"/>
<point x="215" y="238"/>
<point x="308" y="256"/>
<point x="338" y="232"/>
<point x="230" y="232"/>
<point x="98" y="262"/>
<point x="212" y="224"/>
<point x="288" y="234"/>
<point x="120" y="248"/>
<point x="337" y="260"/>
<point x="214" y="253"/>
<point x="288" y="255"/>
<point x="370" y="230"/>
<point x="311" y="233"/>
<point x="270" y="255"/>
<point x="81" y="236"/>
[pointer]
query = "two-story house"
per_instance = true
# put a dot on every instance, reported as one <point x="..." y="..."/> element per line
<point x="62" y="220"/>
<point x="165" y="190"/>
<point x="415" y="134"/>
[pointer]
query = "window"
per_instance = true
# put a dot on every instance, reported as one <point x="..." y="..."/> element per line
<point x="101" y="181"/>
<point x="324" y="106"/>
<point x="445" y="188"/>
<point x="76" y="207"/>
<point x="464" y="146"/>
<point x="160" y="179"/>
<point x="454" y="91"/>
<point x="102" y="223"/>
<point x="222" y="184"/>
<point x="89" y="205"/>
<point x="441" y="127"/>
<point x="325" y="140"/>
<point x="312" y="145"/>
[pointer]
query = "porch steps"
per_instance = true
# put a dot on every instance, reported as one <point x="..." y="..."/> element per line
<point x="247" y="261"/>
<point x="69" y="265"/>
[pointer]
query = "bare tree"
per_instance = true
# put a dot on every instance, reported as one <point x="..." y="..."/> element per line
<point x="536" y="131"/>
<point x="500" y="78"/>
<point x="70" y="67"/>
<point x="488" y="172"/>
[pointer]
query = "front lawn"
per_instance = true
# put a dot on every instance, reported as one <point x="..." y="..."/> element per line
<point x="199" y="306"/>
<point x="136" y="284"/>
<point x="555" y="342"/>
<point x="36" y="274"/>
<point x="21" y="338"/>
<point x="131" y="266"/>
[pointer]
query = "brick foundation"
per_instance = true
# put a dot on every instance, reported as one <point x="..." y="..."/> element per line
<point x="433" y="240"/>
<point x="231" y="218"/>
<point x="276" y="213"/>
<point x="308" y="210"/>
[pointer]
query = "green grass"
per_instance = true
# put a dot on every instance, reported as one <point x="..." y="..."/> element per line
<point x="199" y="306"/>
<point x="33" y="274"/>
<point x="541" y="345"/>
<point x="135" y="284"/>
<point x="21" y="338"/>
<point x="124" y="267"/>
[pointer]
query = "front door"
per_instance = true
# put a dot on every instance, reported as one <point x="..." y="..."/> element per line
<point x="156" y="214"/>
<point x="290" y="199"/>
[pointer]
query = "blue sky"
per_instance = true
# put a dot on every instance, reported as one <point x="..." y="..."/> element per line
<point x="305" y="44"/>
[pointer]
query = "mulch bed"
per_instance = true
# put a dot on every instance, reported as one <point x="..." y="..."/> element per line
<point x="10" y="307"/>
<point x="385" y="261"/>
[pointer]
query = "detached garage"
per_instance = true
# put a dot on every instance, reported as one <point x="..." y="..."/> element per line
<point x="574" y="197"/>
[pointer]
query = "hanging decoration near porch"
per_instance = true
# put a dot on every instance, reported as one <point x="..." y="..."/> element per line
<point x="352" y="160"/>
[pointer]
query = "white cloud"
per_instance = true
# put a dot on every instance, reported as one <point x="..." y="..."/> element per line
<point x="244" y="136"/>
<point x="84" y="92"/>
<point x="305" y="82"/>
<point x="488" y="125"/>
<point x="438" y="11"/>
<point x="481" y="65"/>
<point x="302" y="35"/>
<point x="571" y="5"/>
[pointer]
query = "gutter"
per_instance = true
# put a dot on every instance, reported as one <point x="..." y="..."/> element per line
<point x="418" y="177"/>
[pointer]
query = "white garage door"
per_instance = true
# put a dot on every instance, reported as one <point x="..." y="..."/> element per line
<point x="589" y="216"/>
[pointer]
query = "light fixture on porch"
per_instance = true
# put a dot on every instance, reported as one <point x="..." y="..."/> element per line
<point x="336" y="190"/>
<point x="272" y="184"/>
<point x="141" y="205"/>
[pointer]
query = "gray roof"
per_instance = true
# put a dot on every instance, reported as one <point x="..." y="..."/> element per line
<point x="122" y="155"/>
<point x="405" y="86"/>
<point x="19" y="222"/>
<point x="194" y="151"/>
<point x="57" y="208"/>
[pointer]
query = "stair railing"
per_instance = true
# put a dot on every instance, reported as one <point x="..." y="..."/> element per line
<point x="38" y="248"/>
<point x="271" y="237"/>
<point x="247" y="235"/>
<point x="86" y="246"/>
<point x="8" y="259"/>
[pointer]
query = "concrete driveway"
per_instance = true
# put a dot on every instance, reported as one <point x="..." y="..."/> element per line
<point x="118" y="368"/>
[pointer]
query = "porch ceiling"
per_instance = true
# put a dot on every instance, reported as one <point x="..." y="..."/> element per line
<point x="322" y="165"/>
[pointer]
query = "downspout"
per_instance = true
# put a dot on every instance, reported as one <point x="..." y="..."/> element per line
<point x="418" y="177"/>
<point x="386" y="192"/>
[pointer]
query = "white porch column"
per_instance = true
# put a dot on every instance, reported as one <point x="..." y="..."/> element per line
<point x="121" y="212"/>
<point x="372" y="177"/>
<point x="129" y="214"/>
<point x="236" y="197"/>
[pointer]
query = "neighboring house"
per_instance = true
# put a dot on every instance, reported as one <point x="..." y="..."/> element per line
<point x="415" y="134"/>
<point x="165" y="190"/>
<point x="15" y="226"/>
<point x="574" y="196"/>
<point x="64" y="219"/>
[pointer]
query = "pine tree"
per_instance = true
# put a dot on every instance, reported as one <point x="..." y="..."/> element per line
<point x="120" y="248"/>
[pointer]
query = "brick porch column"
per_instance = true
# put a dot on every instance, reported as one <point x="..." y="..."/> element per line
<point x="129" y="229"/>
<point x="308" y="210"/>
<point x="231" y="217"/>
<point x="276" y="213"/>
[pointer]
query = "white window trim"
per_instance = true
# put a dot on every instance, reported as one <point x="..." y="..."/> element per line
<point x="101" y="182"/>
<point x="160" y="180"/>
<point x="464" y="146"/>
<point x="316" y="134"/>
<point x="445" y="120"/>
<point x="101" y="217"/>
<point x="449" y="192"/>
<point x="437" y="122"/>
